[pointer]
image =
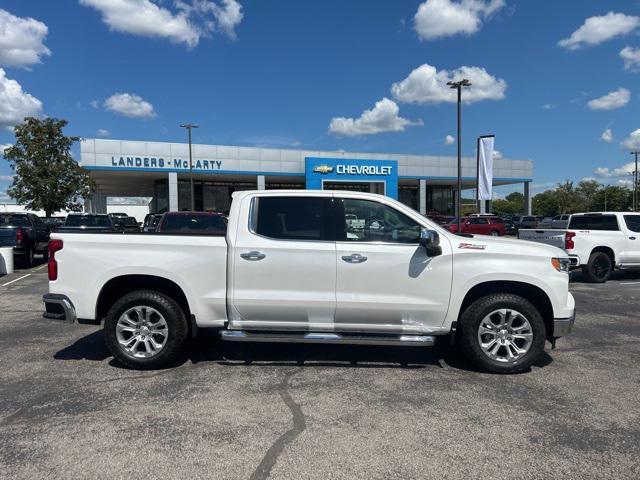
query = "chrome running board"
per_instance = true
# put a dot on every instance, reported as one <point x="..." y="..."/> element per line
<point x="285" y="337"/>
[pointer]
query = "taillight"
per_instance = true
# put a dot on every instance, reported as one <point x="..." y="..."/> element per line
<point x="52" y="266"/>
<point x="19" y="235"/>
<point x="568" y="240"/>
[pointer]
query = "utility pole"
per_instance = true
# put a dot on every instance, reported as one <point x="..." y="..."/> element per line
<point x="458" y="85"/>
<point x="635" y="183"/>
<point x="190" y="126"/>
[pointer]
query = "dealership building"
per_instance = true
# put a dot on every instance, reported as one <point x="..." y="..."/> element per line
<point x="159" y="170"/>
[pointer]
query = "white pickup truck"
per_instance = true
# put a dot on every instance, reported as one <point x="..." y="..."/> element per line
<point x="289" y="269"/>
<point x="598" y="242"/>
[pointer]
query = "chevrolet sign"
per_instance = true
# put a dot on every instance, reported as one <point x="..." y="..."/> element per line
<point x="323" y="169"/>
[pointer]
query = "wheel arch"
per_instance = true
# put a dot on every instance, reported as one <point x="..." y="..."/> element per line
<point x="118" y="286"/>
<point x="607" y="250"/>
<point x="535" y="295"/>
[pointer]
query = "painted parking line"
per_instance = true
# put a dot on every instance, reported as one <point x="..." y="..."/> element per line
<point x="15" y="280"/>
<point x="39" y="268"/>
<point x="629" y="283"/>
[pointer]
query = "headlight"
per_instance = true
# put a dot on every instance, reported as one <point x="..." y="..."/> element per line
<point x="561" y="264"/>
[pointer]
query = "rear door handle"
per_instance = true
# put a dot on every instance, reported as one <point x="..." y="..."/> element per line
<point x="253" y="255"/>
<point x="354" y="258"/>
<point x="632" y="238"/>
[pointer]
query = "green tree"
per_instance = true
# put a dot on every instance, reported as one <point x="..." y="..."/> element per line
<point x="46" y="176"/>
<point x="586" y="191"/>
<point x="546" y="204"/>
<point x="612" y="198"/>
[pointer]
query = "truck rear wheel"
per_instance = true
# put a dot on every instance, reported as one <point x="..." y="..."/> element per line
<point x="145" y="330"/>
<point x="599" y="267"/>
<point x="502" y="333"/>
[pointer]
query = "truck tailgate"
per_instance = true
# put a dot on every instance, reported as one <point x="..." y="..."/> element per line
<point x="551" y="236"/>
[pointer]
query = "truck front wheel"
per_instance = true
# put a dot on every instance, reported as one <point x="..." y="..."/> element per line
<point x="599" y="267"/>
<point x="502" y="333"/>
<point x="145" y="330"/>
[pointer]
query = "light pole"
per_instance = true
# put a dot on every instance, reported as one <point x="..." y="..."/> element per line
<point x="635" y="183"/>
<point x="458" y="85"/>
<point x="190" y="126"/>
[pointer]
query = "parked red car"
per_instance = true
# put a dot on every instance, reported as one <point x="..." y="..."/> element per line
<point x="478" y="225"/>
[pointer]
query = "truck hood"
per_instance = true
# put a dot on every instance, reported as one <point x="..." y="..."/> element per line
<point x="513" y="246"/>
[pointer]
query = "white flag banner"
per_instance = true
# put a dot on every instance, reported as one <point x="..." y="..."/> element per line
<point x="485" y="168"/>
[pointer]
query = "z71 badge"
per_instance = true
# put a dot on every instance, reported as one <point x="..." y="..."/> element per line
<point x="472" y="246"/>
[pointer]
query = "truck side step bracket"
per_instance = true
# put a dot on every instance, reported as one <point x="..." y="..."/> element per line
<point x="322" y="337"/>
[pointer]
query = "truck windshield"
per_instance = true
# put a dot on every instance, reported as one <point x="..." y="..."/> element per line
<point x="14" y="221"/>
<point x="594" y="222"/>
<point x="101" y="221"/>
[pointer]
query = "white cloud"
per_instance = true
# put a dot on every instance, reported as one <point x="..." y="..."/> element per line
<point x="596" y="30"/>
<point x="625" y="183"/>
<point x="607" y="136"/>
<point x="549" y="106"/>
<point x="129" y="105"/>
<point x="94" y="103"/>
<point x="383" y="117"/>
<point x="449" y="139"/>
<point x="444" y="18"/>
<point x="6" y="178"/>
<point x="103" y="132"/>
<point x="497" y="155"/>
<point x="632" y="142"/>
<point x="631" y="57"/>
<point x="426" y="84"/>
<point x="15" y="104"/>
<point x="3" y="147"/>
<point x="623" y="171"/>
<point x="188" y="24"/>
<point x="21" y="40"/>
<point x="612" y="100"/>
<point x="228" y="16"/>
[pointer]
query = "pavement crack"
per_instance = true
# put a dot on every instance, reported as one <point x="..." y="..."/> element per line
<point x="299" y="424"/>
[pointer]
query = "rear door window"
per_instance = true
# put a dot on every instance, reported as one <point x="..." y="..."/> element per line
<point x="633" y="222"/>
<point x="594" y="222"/>
<point x="292" y="218"/>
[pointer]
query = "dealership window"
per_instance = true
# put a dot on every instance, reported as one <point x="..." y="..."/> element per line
<point x="291" y="218"/>
<point x="440" y="199"/>
<point x="409" y="195"/>
<point x="369" y="221"/>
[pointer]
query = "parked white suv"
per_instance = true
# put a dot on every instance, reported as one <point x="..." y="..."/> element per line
<point x="293" y="267"/>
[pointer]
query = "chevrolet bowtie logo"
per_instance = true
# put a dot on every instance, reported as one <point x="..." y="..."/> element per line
<point x="323" y="169"/>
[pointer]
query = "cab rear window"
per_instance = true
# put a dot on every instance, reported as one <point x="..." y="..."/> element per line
<point x="594" y="222"/>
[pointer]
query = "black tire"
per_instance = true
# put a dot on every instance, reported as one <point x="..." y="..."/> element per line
<point x="470" y="323"/>
<point x="28" y="259"/>
<point x="45" y="254"/>
<point x="495" y="233"/>
<point x="599" y="267"/>
<point x="177" y="329"/>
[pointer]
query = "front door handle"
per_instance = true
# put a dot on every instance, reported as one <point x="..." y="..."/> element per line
<point x="354" y="258"/>
<point x="253" y="255"/>
<point x="632" y="238"/>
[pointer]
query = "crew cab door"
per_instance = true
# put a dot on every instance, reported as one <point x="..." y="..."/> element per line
<point x="283" y="264"/>
<point x="385" y="280"/>
<point x="632" y="253"/>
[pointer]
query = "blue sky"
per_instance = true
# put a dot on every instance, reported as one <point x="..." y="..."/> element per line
<point x="276" y="73"/>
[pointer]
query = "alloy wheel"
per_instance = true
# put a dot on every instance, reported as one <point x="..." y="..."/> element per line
<point x="505" y="335"/>
<point x="142" y="332"/>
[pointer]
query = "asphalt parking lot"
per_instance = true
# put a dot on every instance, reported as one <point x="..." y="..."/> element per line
<point x="67" y="410"/>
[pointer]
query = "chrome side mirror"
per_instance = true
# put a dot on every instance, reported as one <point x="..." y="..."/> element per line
<point x="430" y="240"/>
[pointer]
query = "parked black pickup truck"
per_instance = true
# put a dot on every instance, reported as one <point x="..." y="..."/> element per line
<point x="26" y="233"/>
<point x="90" y="222"/>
